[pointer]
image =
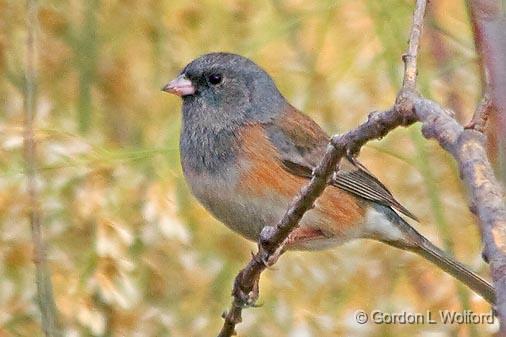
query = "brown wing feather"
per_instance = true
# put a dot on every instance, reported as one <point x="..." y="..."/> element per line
<point x="301" y="144"/>
<point x="369" y="187"/>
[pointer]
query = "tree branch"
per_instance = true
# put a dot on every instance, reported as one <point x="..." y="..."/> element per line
<point x="487" y="198"/>
<point x="378" y="125"/>
<point x="44" y="287"/>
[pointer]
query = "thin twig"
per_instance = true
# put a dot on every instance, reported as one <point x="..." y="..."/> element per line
<point x="481" y="114"/>
<point x="378" y="125"/>
<point x="410" y="58"/>
<point x="43" y="280"/>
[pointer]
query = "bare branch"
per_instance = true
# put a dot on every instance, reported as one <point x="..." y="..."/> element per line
<point x="487" y="198"/>
<point x="378" y="125"/>
<point x="43" y="280"/>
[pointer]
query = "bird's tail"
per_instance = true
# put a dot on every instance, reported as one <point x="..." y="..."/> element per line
<point x="418" y="244"/>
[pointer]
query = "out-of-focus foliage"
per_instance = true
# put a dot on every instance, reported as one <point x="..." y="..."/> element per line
<point x="131" y="251"/>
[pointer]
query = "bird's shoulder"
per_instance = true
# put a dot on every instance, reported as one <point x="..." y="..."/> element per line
<point x="297" y="138"/>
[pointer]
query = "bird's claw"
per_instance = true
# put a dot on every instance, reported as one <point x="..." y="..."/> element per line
<point x="268" y="260"/>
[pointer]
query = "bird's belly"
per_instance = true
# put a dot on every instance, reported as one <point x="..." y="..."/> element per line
<point x="244" y="215"/>
<point x="247" y="214"/>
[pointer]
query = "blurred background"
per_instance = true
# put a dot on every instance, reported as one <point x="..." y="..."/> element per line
<point x="131" y="251"/>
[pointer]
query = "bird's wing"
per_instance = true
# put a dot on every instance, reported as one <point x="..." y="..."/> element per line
<point x="301" y="144"/>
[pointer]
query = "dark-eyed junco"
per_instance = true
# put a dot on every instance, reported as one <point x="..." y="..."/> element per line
<point x="246" y="152"/>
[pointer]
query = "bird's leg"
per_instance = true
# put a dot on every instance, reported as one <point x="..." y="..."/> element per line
<point x="265" y="256"/>
<point x="270" y="259"/>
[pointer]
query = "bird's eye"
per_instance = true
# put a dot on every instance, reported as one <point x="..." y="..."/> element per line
<point x="215" y="79"/>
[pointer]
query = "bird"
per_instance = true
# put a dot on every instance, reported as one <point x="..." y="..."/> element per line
<point x="246" y="152"/>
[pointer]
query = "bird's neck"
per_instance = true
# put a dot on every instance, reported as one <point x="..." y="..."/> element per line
<point x="210" y="135"/>
<point x="206" y="148"/>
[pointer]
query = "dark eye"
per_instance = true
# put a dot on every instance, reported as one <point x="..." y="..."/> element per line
<point x="215" y="79"/>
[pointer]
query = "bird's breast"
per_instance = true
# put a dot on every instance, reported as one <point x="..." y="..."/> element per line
<point x="221" y="195"/>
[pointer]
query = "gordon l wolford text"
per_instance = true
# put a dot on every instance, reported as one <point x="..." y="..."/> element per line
<point x="445" y="317"/>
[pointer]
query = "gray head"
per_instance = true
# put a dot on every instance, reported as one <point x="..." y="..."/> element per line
<point x="223" y="90"/>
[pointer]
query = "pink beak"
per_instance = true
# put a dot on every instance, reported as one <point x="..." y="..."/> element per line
<point x="181" y="86"/>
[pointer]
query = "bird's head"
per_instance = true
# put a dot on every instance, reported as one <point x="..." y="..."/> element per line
<point x="226" y="88"/>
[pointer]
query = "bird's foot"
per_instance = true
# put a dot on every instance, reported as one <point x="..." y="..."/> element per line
<point x="269" y="260"/>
